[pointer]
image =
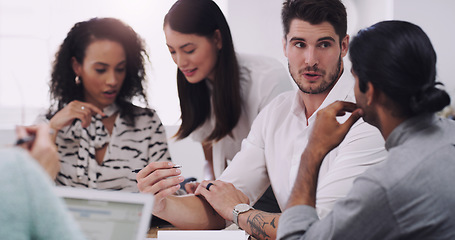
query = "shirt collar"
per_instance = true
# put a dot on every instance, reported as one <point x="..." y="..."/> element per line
<point x="110" y="110"/>
<point x="408" y="128"/>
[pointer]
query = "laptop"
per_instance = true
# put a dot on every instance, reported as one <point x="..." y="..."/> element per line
<point x="109" y="215"/>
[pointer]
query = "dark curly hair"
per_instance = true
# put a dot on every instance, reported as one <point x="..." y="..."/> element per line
<point x="63" y="88"/>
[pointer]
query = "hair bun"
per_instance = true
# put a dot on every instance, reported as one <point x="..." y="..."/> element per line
<point x="429" y="99"/>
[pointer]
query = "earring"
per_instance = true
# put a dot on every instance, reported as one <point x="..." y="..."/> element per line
<point x="77" y="80"/>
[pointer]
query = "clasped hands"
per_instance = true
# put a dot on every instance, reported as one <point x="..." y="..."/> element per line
<point x="222" y="196"/>
<point x="162" y="180"/>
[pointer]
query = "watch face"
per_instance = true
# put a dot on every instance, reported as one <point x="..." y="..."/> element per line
<point x="242" y="207"/>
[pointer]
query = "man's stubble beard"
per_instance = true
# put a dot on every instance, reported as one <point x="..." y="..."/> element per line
<point x="324" y="84"/>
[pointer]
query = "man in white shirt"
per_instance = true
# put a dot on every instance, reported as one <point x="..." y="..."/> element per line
<point x="315" y="43"/>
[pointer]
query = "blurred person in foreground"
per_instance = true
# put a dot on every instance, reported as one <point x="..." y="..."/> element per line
<point x="29" y="207"/>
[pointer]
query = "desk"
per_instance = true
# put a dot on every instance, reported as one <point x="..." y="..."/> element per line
<point x="203" y="234"/>
<point x="153" y="232"/>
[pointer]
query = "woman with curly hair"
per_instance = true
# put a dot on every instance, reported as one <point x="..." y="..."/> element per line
<point x="102" y="138"/>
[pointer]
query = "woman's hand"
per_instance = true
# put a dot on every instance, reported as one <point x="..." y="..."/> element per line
<point x="42" y="148"/>
<point x="222" y="196"/>
<point x="74" y="110"/>
<point x="191" y="187"/>
<point x="160" y="179"/>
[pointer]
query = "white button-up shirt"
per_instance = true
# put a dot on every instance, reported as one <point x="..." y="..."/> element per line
<point x="271" y="152"/>
<point x="261" y="80"/>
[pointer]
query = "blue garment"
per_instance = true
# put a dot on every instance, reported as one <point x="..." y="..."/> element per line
<point x="408" y="196"/>
<point x="28" y="207"/>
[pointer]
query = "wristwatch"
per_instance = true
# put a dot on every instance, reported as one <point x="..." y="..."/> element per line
<point x="238" y="209"/>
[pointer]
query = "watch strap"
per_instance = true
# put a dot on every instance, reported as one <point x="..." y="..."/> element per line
<point x="238" y="209"/>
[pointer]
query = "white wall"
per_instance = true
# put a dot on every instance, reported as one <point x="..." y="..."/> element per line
<point x="369" y="12"/>
<point x="256" y="24"/>
<point x="436" y="18"/>
<point x="30" y="32"/>
<point x="256" y="27"/>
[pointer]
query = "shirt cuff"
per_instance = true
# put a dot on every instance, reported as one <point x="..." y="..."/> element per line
<point x="295" y="221"/>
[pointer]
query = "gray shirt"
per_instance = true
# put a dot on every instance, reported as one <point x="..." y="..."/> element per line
<point x="408" y="196"/>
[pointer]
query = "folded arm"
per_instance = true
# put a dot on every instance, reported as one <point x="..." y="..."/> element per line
<point x="260" y="224"/>
<point x="190" y="212"/>
<point x="225" y="196"/>
<point x="184" y="212"/>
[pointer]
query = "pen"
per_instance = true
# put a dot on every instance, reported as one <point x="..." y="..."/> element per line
<point x="29" y="138"/>
<point x="25" y="140"/>
<point x="137" y="170"/>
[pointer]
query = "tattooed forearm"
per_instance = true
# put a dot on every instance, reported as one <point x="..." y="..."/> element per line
<point x="273" y="223"/>
<point x="263" y="225"/>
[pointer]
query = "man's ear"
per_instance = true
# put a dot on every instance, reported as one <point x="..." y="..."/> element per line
<point x="371" y="94"/>
<point x="218" y="40"/>
<point x="77" y="67"/>
<point x="345" y="45"/>
<point x="283" y="40"/>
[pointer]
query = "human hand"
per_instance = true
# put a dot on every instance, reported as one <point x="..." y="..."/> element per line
<point x="160" y="179"/>
<point x="74" y="110"/>
<point x="191" y="187"/>
<point x="222" y="196"/>
<point x="327" y="132"/>
<point x="42" y="148"/>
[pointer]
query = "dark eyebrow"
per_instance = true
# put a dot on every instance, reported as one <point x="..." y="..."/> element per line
<point x="107" y="65"/>
<point x="122" y="62"/>
<point x="103" y="64"/>
<point x="297" y="39"/>
<point x="183" y="46"/>
<point x="326" y="38"/>
<point x="319" y="40"/>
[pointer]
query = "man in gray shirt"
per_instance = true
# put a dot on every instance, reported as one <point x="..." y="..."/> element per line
<point x="410" y="195"/>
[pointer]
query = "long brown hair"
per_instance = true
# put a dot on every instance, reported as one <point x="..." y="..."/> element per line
<point x="203" y="17"/>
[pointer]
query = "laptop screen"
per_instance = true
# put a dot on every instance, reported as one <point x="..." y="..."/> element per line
<point x="109" y="215"/>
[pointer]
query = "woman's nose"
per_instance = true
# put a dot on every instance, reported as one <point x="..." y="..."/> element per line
<point x="181" y="60"/>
